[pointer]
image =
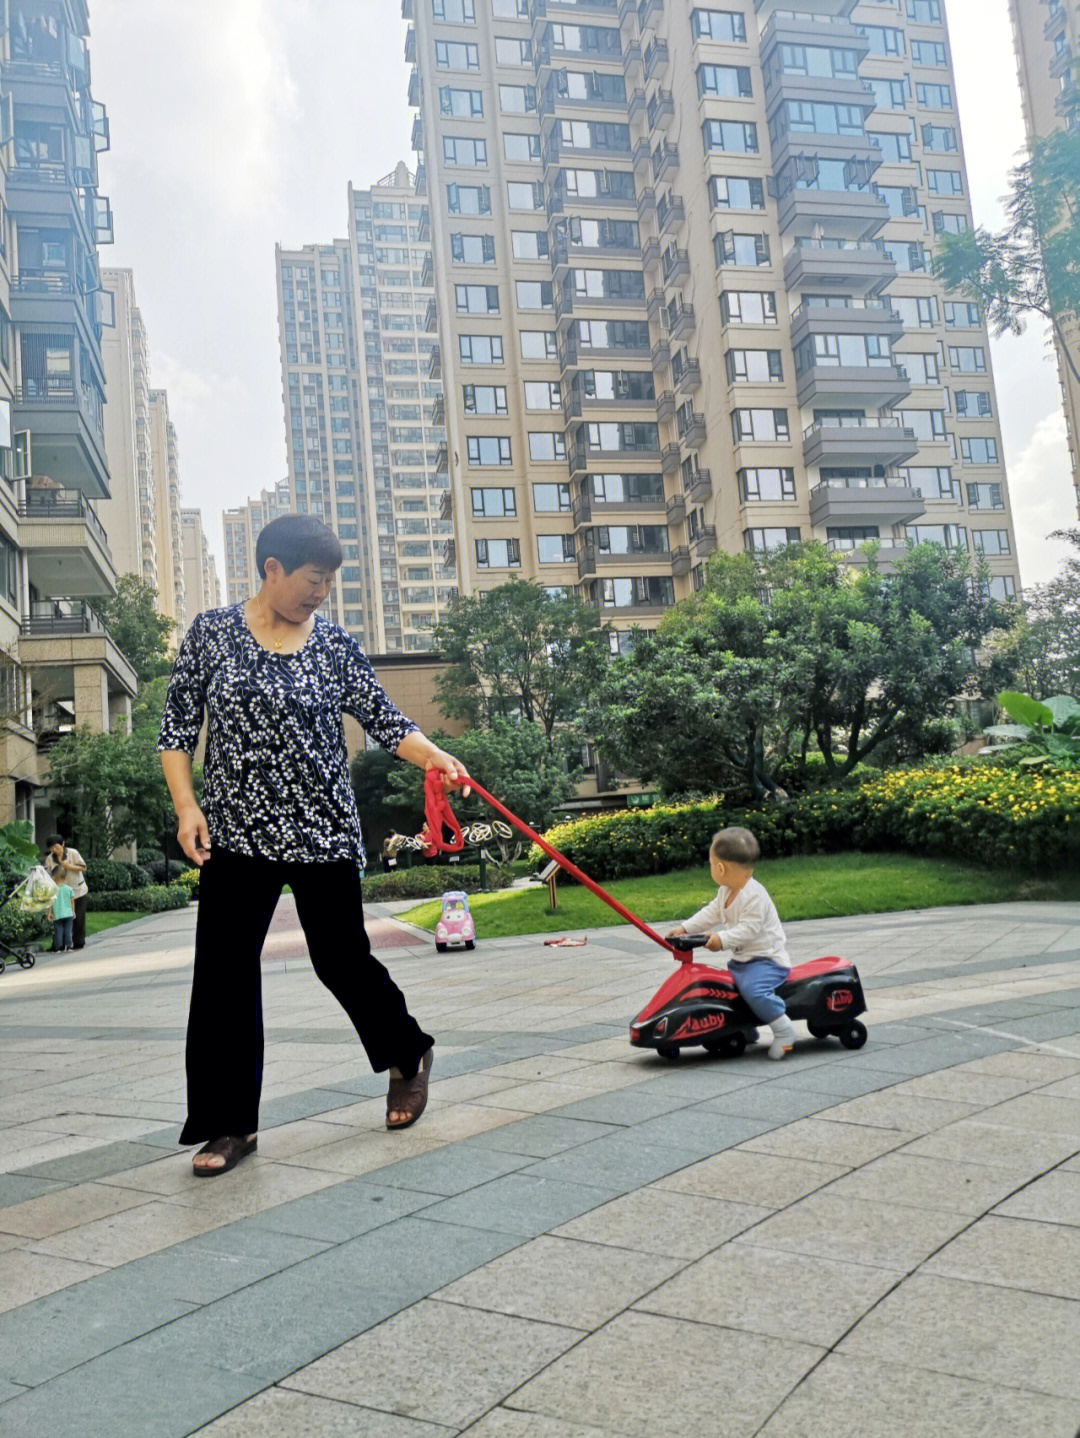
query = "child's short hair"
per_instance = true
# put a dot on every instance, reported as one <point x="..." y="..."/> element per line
<point x="736" y="846"/>
<point x="59" y="874"/>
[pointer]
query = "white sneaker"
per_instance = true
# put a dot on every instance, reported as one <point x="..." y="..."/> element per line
<point x="783" y="1031"/>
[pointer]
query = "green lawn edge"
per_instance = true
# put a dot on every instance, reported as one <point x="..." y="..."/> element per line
<point x="813" y="887"/>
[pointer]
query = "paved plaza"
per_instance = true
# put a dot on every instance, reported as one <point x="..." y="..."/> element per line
<point x="578" y="1240"/>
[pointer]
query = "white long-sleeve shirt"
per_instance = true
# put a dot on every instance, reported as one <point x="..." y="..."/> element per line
<point x="749" y="926"/>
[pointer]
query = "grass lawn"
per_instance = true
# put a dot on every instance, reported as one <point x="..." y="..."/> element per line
<point x="108" y="919"/>
<point x="803" y="888"/>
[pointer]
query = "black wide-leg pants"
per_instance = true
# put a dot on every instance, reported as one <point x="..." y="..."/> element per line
<point x="237" y="898"/>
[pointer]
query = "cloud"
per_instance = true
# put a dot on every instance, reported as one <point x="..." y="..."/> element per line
<point x="1043" y="498"/>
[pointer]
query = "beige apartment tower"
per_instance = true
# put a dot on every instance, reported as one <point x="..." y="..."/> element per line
<point x="202" y="587"/>
<point x="1047" y="36"/>
<point x="168" y="535"/>
<point x="242" y="526"/>
<point x="684" y="294"/>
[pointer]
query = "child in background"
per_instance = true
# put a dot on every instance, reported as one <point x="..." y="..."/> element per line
<point x="62" y="911"/>
<point x="743" y="923"/>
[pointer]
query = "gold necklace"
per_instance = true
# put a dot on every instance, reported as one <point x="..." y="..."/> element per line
<point x="262" y="615"/>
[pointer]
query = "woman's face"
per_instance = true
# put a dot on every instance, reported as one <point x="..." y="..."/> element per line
<point x="296" y="596"/>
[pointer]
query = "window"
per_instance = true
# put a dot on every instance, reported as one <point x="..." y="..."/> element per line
<point x="472" y="249"/>
<point x="766" y="486"/>
<point x="849" y="351"/>
<point x="819" y="62"/>
<point x="929" y="52"/>
<point x="928" y="424"/>
<point x="967" y="359"/>
<point x="534" y="294"/>
<point x="543" y="394"/>
<point x="764" y="540"/>
<point x="551" y="498"/>
<point x="895" y="149"/>
<point x="488" y="449"/>
<point x="628" y="386"/>
<point x="493" y="503"/>
<point x="991" y="541"/>
<point x="529" y="244"/>
<point x="458" y="150"/>
<point x="730" y="248"/>
<point x="950" y="223"/>
<point x="521" y="149"/>
<point x="626" y="488"/>
<point x="480" y="349"/>
<point x="985" y="496"/>
<point x="612" y="334"/>
<point x="889" y="94"/>
<point x="850" y="536"/>
<point x="753" y="366"/>
<point x="453" y="55"/>
<point x="510" y="9"/>
<point x="762" y="426"/>
<point x="973" y="403"/>
<point x="729" y="192"/>
<point x="726" y="26"/>
<point x="952" y="536"/>
<point x="498" y="554"/>
<point x="468" y="199"/>
<point x="477" y="299"/>
<point x="555" y="548"/>
<point x="736" y="137"/>
<point x="614" y="436"/>
<point x="547" y="446"/>
<point x="945" y="182"/>
<point x="884" y="39"/>
<point x="748" y="307"/>
<point x="925" y="12"/>
<point x="975" y="450"/>
<point x="933" y="481"/>
<point x="484" y="398"/>
<point x="524" y="195"/>
<point x="651" y="593"/>
<point x="908" y="257"/>
<point x="933" y="97"/>
<point x="961" y="314"/>
<point x="923" y="368"/>
<point x="1001" y="587"/>
<point x="940" y="138"/>
<point x="512" y="52"/>
<point x="455" y="12"/>
<point x="461" y="104"/>
<point x="537" y="344"/>
<point x="816" y="117"/>
<point x="727" y="81"/>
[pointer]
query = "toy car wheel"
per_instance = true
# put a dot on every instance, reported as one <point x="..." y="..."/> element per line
<point x="26" y="961"/>
<point x="715" y="1046"/>
<point x="819" y="1031"/>
<point x="440" y="948"/>
<point x="854" y="1036"/>
<point x="668" y="1051"/>
<point x="470" y="943"/>
<point x="736" y="1045"/>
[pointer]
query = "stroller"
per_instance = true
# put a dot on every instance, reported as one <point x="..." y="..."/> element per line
<point x="13" y="953"/>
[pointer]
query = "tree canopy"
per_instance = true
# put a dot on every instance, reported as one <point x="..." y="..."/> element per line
<point x="519" y="651"/>
<point x="1042" y="652"/>
<point x="138" y="630"/>
<point x="783" y="651"/>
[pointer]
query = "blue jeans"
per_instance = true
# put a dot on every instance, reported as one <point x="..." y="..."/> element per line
<point x="757" y="981"/>
<point x="62" y="932"/>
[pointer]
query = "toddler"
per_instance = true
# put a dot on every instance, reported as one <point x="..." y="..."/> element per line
<point x="743" y="923"/>
<point x="62" y="910"/>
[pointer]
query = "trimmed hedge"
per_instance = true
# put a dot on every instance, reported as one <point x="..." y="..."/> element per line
<point x="989" y="814"/>
<point x="154" y="899"/>
<point x="166" y="871"/>
<point x="429" y="881"/>
<point x="107" y="874"/>
<point x="140" y="877"/>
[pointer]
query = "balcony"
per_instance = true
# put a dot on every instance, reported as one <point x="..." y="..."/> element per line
<point x="665" y="161"/>
<point x="661" y="355"/>
<point x="675" y="265"/>
<point x="843" y="316"/>
<point x="649" y="12"/>
<point x="435" y="363"/>
<point x="60" y="636"/>
<point x="704" y="542"/>
<point x="414" y="89"/>
<point x="437" y="412"/>
<point x="442" y="459"/>
<point x="66" y="547"/>
<point x="679" y="321"/>
<point x="886" y="555"/>
<point x="865" y="502"/>
<point x="852" y="386"/>
<point x="427" y="272"/>
<point x="636" y="104"/>
<point x="1055" y="25"/>
<point x="666" y="405"/>
<point x="449" y="555"/>
<point x="655" y="58"/>
<point x="568" y="9"/>
<point x="661" y="110"/>
<point x="670" y="458"/>
<point x="670" y="213"/>
<point x="692" y="428"/>
<point x="641" y="155"/>
<point x="410" y="46"/>
<point x="446" y="505"/>
<point x="859" y="442"/>
<point x="1068" y="97"/>
<point x="650" y="253"/>
<point x="688" y="378"/>
<point x="68" y="437"/>
<point x="851" y="215"/>
<point x="680" y="561"/>
<point x="675" y="509"/>
<point x="431" y="317"/>
<point x="586" y="459"/>
<point x="858" y="267"/>
<point x="699" y="488"/>
<point x="824" y="10"/>
<point x="794" y="26"/>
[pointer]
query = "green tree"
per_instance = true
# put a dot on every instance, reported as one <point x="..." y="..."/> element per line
<point x="786" y="651"/>
<point x="110" y="788"/>
<point x="1032" y="266"/>
<point x="138" y="630"/>
<point x="1042" y="651"/>
<point x="518" y="651"/>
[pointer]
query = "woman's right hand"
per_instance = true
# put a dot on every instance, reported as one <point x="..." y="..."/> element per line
<point x="675" y="933"/>
<point x="193" y="836"/>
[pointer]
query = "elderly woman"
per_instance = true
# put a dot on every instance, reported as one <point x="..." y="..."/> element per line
<point x="273" y="678"/>
<point x="62" y="855"/>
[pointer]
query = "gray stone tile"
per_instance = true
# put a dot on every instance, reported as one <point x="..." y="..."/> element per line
<point x="764" y="1179"/>
<point x="909" y="1113"/>
<point x="977" y="1331"/>
<point x="939" y="1053"/>
<point x="1040" y="1113"/>
<point x="344" y="1211"/>
<point x="541" y="1135"/>
<point x="451" y="1169"/>
<point x="509" y="1423"/>
<point x="518" y="1204"/>
<point x="928" y="1183"/>
<point x="770" y="1102"/>
<point x="615" y="1379"/>
<point x="697" y="1132"/>
<point x="220" y="1262"/>
<point x="866" y="1398"/>
<point x="1016" y="1253"/>
<point x="560" y="1280"/>
<point x="18" y="1188"/>
<point x="181" y="1396"/>
<point x="883" y="1235"/>
<point x="94" y="1163"/>
<point x="617" y="1164"/>
<point x="278" y="1411"/>
<point x="10" y="1390"/>
<point x="1054" y="1198"/>
<point x="849" y="1080"/>
<point x="738" y="1285"/>
<point x="292" y="1107"/>
<point x="653" y="1220"/>
<point x="379" y="1370"/>
<point x="997" y="1145"/>
<point x="823" y="1141"/>
<point x="627" y="1106"/>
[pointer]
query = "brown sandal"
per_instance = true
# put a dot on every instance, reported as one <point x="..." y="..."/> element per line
<point x="409" y="1096"/>
<point x="232" y="1150"/>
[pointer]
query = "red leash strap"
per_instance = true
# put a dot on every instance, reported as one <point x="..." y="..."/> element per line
<point x="437" y="814"/>
<point x="565" y="863"/>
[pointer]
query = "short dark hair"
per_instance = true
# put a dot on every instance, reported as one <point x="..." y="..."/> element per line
<point x="736" y="846"/>
<point x="55" y="839"/>
<point x="296" y="539"/>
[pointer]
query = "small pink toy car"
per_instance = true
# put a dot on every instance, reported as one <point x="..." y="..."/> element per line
<point x="455" y="930"/>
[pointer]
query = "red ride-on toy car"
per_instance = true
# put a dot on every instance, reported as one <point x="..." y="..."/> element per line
<point x="700" y="1006"/>
<point x="455" y="929"/>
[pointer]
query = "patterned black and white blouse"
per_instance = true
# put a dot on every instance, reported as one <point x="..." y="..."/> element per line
<point x="276" y="775"/>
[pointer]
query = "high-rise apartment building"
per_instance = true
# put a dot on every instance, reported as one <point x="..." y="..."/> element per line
<point x="130" y="513"/>
<point x="168" y="539"/>
<point x="242" y="526"/>
<point x="58" y="666"/>
<point x="362" y="414"/>
<point x="684" y="295"/>
<point x="202" y="587"/>
<point x="1047" y="37"/>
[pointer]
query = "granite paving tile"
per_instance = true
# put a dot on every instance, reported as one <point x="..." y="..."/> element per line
<point x="1054" y="1198"/>
<point x="344" y="1211"/>
<point x="905" y="1177"/>
<point x="997" y="1145"/>
<point x="654" y="1221"/>
<point x="884" y="1235"/>
<point x="1040" y="1113"/>
<point x="1020" y="1253"/>
<point x="132" y="1233"/>
<point x="94" y="1163"/>
<point x="542" y="1135"/>
<point x="518" y="1204"/>
<point x="279" y="1411"/>
<point x="822" y="1141"/>
<point x="55" y="1212"/>
<point x="25" y="1276"/>
<point x="451" y="1169"/>
<point x="506" y="1422"/>
<point x="755" y="1178"/>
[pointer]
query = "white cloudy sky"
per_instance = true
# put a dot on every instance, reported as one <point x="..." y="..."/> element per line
<point x="238" y="123"/>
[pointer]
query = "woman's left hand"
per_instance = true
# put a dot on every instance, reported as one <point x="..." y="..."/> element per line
<point x="454" y="772"/>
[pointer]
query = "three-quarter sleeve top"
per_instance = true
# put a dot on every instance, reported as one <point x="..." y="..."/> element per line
<point x="276" y="775"/>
